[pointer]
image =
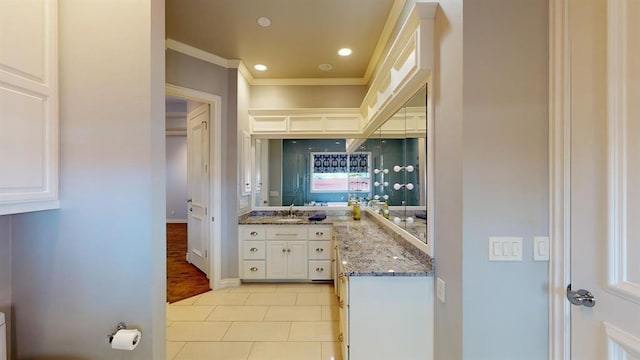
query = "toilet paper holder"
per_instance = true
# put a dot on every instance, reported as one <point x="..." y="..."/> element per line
<point x="121" y="326"/>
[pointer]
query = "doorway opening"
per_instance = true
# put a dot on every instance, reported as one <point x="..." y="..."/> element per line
<point x="193" y="184"/>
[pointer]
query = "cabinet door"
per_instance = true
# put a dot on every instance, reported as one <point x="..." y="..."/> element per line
<point x="28" y="106"/>
<point x="276" y="260"/>
<point x="297" y="264"/>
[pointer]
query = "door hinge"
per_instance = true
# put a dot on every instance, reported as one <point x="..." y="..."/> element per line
<point x="205" y="124"/>
<point x="213" y="219"/>
<point x="205" y="211"/>
<point x="206" y="253"/>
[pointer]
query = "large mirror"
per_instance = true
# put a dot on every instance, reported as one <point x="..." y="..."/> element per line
<point x="387" y="172"/>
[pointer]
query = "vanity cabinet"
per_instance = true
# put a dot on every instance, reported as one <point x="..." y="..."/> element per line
<point x="285" y="252"/>
<point x="385" y="317"/>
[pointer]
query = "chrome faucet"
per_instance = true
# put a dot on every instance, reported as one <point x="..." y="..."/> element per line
<point x="291" y="210"/>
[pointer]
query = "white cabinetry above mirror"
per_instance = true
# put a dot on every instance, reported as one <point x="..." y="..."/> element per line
<point x="291" y="123"/>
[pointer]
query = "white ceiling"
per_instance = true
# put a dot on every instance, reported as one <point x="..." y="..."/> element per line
<point x="303" y="33"/>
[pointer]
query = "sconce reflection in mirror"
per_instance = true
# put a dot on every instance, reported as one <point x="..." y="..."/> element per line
<point x="408" y="168"/>
<point x="408" y="186"/>
<point x="377" y="183"/>
<point x="398" y="220"/>
<point x="378" y="171"/>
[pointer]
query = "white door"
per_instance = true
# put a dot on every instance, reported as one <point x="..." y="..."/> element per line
<point x="605" y="177"/>
<point x="198" y="185"/>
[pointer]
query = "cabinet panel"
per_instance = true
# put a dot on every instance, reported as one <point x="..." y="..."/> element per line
<point x="253" y="250"/>
<point x="320" y="269"/>
<point x="253" y="233"/>
<point x="287" y="233"/>
<point x="297" y="263"/>
<point x="253" y="269"/>
<point x="29" y="103"/>
<point x="319" y="250"/>
<point x="319" y="233"/>
<point x="276" y="260"/>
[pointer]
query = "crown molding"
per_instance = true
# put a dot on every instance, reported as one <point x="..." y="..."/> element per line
<point x="201" y="54"/>
<point x="311" y="81"/>
<point x="385" y="35"/>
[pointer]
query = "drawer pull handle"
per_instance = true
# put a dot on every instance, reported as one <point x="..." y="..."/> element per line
<point x="253" y="268"/>
<point x="319" y="233"/>
<point x="254" y="233"/>
<point x="319" y="249"/>
<point x="319" y="269"/>
<point x="253" y="249"/>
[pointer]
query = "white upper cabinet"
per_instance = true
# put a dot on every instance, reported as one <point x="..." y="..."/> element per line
<point x="28" y="106"/>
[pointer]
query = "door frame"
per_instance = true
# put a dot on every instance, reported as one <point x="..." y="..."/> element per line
<point x="559" y="179"/>
<point x="215" y="176"/>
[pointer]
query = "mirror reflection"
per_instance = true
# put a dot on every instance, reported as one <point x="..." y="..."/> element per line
<point x="387" y="172"/>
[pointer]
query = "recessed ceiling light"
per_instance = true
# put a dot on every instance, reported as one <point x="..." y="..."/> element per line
<point x="260" y="67"/>
<point x="344" y="52"/>
<point x="264" y="21"/>
<point x="325" y="67"/>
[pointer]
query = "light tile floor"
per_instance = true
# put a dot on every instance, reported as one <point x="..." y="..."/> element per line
<point x="256" y="322"/>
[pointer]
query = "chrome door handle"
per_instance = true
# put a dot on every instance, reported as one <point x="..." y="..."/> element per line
<point x="580" y="297"/>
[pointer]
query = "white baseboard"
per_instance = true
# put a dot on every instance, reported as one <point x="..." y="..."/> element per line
<point x="176" y="221"/>
<point x="230" y="282"/>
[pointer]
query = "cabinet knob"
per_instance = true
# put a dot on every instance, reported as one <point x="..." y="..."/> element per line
<point x="319" y="249"/>
<point x="341" y="338"/>
<point x="341" y="304"/>
<point x="319" y="269"/>
<point x="253" y="268"/>
<point x="253" y="233"/>
<point x="319" y="233"/>
<point x="253" y="249"/>
<point x="284" y="250"/>
<point x="288" y="250"/>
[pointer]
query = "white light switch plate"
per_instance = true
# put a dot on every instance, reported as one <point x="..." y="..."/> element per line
<point x="440" y="289"/>
<point x="505" y="248"/>
<point x="541" y="248"/>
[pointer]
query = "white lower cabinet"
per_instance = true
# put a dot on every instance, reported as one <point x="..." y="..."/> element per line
<point x="286" y="260"/>
<point x="286" y="252"/>
<point x="386" y="317"/>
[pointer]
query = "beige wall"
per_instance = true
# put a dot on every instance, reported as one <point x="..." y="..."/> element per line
<point x="100" y="258"/>
<point x="279" y="97"/>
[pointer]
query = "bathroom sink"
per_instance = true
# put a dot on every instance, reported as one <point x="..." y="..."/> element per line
<point x="289" y="220"/>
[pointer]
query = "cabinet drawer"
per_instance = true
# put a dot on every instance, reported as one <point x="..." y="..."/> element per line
<point x="319" y="233"/>
<point x="253" y="250"/>
<point x="253" y="269"/>
<point x="252" y="233"/>
<point x="320" y="270"/>
<point x="287" y="233"/>
<point x="320" y="250"/>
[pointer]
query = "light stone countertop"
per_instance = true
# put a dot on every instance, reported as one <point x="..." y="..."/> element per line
<point x="365" y="247"/>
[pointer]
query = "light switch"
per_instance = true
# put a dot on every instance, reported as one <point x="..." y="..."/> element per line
<point x="541" y="248"/>
<point x="505" y="248"/>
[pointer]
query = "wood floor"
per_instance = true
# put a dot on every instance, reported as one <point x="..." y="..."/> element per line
<point x="183" y="279"/>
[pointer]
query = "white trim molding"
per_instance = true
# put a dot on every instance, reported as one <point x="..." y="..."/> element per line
<point x="215" y="180"/>
<point x="559" y="179"/>
<point x="620" y="343"/>
<point x="617" y="136"/>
